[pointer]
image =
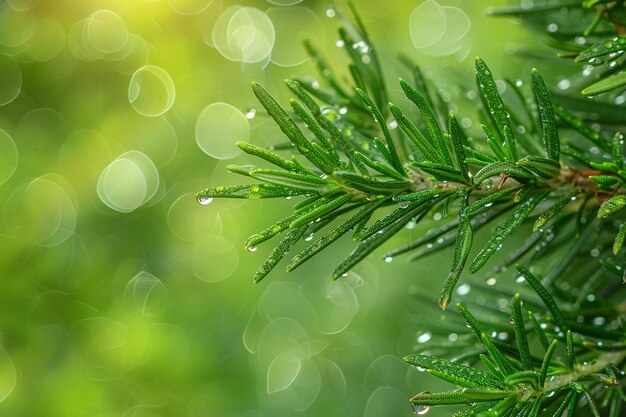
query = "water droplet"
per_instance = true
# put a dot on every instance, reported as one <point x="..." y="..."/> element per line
<point x="564" y="84"/>
<point x="591" y="298"/>
<point x="520" y="279"/>
<point x="424" y="337"/>
<point x="340" y="43"/>
<point x="437" y="216"/>
<point x="491" y="281"/>
<point x="553" y="27"/>
<point x="204" y="200"/>
<point x="403" y="204"/>
<point x="252" y="248"/>
<point x="330" y="11"/>
<point x="250" y="114"/>
<point x="463" y="289"/>
<point x="453" y="337"/>
<point x="343" y="110"/>
<point x="388" y="259"/>
<point x="420" y="409"/>
<point x="599" y="321"/>
<point x="309" y="237"/>
<point x="393" y="124"/>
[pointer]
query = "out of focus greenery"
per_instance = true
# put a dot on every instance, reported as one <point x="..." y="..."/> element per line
<point x="120" y="294"/>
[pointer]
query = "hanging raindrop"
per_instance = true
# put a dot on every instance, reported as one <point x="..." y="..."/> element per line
<point x="204" y="200"/>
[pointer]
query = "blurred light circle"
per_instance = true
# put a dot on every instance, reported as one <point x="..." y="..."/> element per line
<point x="282" y="335"/>
<point x="103" y="347"/>
<point x="22" y="5"/>
<point x="78" y="45"/>
<point x="282" y="372"/>
<point x="189" y="221"/>
<point x="214" y="259"/>
<point x="218" y="128"/>
<point x="427" y="24"/>
<point x="304" y="390"/>
<point x="147" y="293"/>
<point x="128" y="182"/>
<point x="8" y="156"/>
<point x="106" y="31"/>
<point x="155" y="137"/>
<point x="189" y="7"/>
<point x="334" y="301"/>
<point x="244" y="34"/>
<point x="454" y="39"/>
<point x="46" y="199"/>
<point x="293" y="25"/>
<point x="17" y="27"/>
<point x="10" y="81"/>
<point x="47" y="41"/>
<point x="285" y="2"/>
<point x="386" y="401"/>
<point x="151" y="91"/>
<point x="135" y="54"/>
<point x="8" y="375"/>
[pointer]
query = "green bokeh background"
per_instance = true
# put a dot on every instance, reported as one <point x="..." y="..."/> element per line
<point x="150" y="310"/>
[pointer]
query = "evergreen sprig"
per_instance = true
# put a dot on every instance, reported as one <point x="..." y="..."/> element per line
<point x="535" y="170"/>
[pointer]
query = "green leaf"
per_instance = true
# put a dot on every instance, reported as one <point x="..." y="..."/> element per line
<point x="546" y="362"/>
<point x="322" y="210"/>
<point x="504" y="230"/>
<point x="570" y="349"/>
<point x="490" y="199"/>
<point x="430" y="119"/>
<point x="370" y="185"/>
<point x="552" y="211"/>
<point x="378" y="117"/>
<point x="301" y="182"/>
<point x="282" y="225"/>
<point x="478" y="156"/>
<point x="502" y="364"/>
<point x="504" y="167"/>
<point x="315" y="128"/>
<point x="461" y="250"/>
<point x="471" y="321"/>
<point x="429" y="152"/>
<point x="455" y="373"/>
<point x="521" y="338"/>
<point x="473" y="410"/>
<point x="422" y="195"/>
<point x="502" y="408"/>
<point x="458" y="397"/>
<point x="336" y="233"/>
<point x="522" y="377"/>
<point x="617" y="148"/>
<point x="269" y="156"/>
<point x="538" y="330"/>
<point x="582" y="127"/>
<point x="546" y="113"/>
<point x="252" y="191"/>
<point x="279" y="252"/>
<point x="543" y="167"/>
<point x="545" y="296"/>
<point x="379" y="166"/>
<point x="493" y="143"/>
<point x="441" y="172"/>
<point x="290" y="129"/>
<point x="457" y="146"/>
<point x="606" y="84"/>
<point x="368" y="245"/>
<point x="495" y="108"/>
<point x="613" y="45"/>
<point x="390" y="218"/>
<point x="611" y="206"/>
<point x="619" y="239"/>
